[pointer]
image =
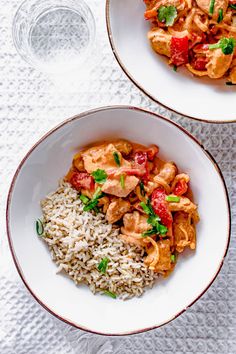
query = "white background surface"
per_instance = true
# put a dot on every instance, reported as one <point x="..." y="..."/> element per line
<point x="30" y="104"/>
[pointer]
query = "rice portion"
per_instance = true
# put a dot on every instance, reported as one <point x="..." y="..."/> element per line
<point x="79" y="240"/>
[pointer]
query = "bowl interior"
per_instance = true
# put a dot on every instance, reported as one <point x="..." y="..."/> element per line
<point x="203" y="98"/>
<point x="39" y="174"/>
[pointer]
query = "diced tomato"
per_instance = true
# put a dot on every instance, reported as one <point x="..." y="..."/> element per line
<point x="82" y="180"/>
<point x="179" y="50"/>
<point x="160" y="206"/>
<point x="232" y="2"/>
<point x="200" y="63"/>
<point x="141" y="162"/>
<point x="181" y="187"/>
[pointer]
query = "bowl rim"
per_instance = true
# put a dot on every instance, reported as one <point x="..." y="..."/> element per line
<point x="49" y="133"/>
<point x="125" y="70"/>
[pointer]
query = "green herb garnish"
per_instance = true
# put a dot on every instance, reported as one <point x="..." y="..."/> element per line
<point x="122" y="181"/>
<point x="173" y="258"/>
<point x="233" y="6"/>
<point x="154" y="220"/>
<point x="116" y="158"/>
<point x="226" y="44"/>
<point x="84" y="199"/>
<point x="39" y="227"/>
<point x="102" y="267"/>
<point x="173" y="198"/>
<point x="94" y="201"/>
<point x="211" y="8"/>
<point x="175" y="67"/>
<point x="109" y="293"/>
<point x="220" y="17"/>
<point x="142" y="190"/>
<point x="167" y="15"/>
<point x="99" y="176"/>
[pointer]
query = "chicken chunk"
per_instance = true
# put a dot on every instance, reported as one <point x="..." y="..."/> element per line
<point x="218" y="63"/>
<point x="114" y="187"/>
<point x="116" y="210"/>
<point x="102" y="157"/>
<point x="160" y="41"/>
<point x="166" y="176"/>
<point x="219" y="4"/>
<point x="123" y="146"/>
<point x="184" y="204"/>
<point x="163" y="263"/>
<point x="135" y="224"/>
<point x="184" y="231"/>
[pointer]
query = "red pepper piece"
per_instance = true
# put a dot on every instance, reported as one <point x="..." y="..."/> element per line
<point x="179" y="50"/>
<point x="200" y="63"/>
<point x="181" y="187"/>
<point x="82" y="180"/>
<point x="160" y="206"/>
<point x="141" y="162"/>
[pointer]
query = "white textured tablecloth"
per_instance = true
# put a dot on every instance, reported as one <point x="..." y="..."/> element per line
<point x="30" y="104"/>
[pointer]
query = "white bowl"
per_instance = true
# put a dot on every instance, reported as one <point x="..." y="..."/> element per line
<point x="199" y="98"/>
<point x="38" y="174"/>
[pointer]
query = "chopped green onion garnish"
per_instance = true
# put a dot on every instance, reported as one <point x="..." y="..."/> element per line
<point x="146" y="208"/>
<point x="211" y="8"/>
<point x="172" y="198"/>
<point x="94" y="201"/>
<point x="109" y="293"/>
<point x="173" y="258"/>
<point x="102" y="267"/>
<point x="116" y="158"/>
<point x="100" y="176"/>
<point x="39" y="227"/>
<point x="97" y="193"/>
<point x="175" y="67"/>
<point x="142" y="190"/>
<point x="220" y="17"/>
<point x="122" y="181"/>
<point x="233" y="6"/>
<point x="84" y="199"/>
<point x="226" y="44"/>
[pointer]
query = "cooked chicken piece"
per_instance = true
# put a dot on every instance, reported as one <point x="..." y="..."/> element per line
<point x="140" y="242"/>
<point x="184" y="204"/>
<point x="123" y="146"/>
<point x="150" y="186"/>
<point x="232" y="75"/>
<point x="166" y="176"/>
<point x="78" y="162"/>
<point x="114" y="187"/>
<point x="102" y="157"/>
<point x="104" y="202"/>
<point x="184" y="231"/>
<point x="153" y="254"/>
<point x="135" y="224"/>
<point x="160" y="41"/>
<point x="219" y="4"/>
<point x="116" y="210"/>
<point x="218" y="63"/>
<point x="163" y="263"/>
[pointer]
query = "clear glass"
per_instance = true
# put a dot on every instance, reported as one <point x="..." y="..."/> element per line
<point x="55" y="35"/>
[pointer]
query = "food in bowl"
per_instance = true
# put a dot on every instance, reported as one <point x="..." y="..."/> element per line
<point x="197" y="34"/>
<point x="120" y="218"/>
